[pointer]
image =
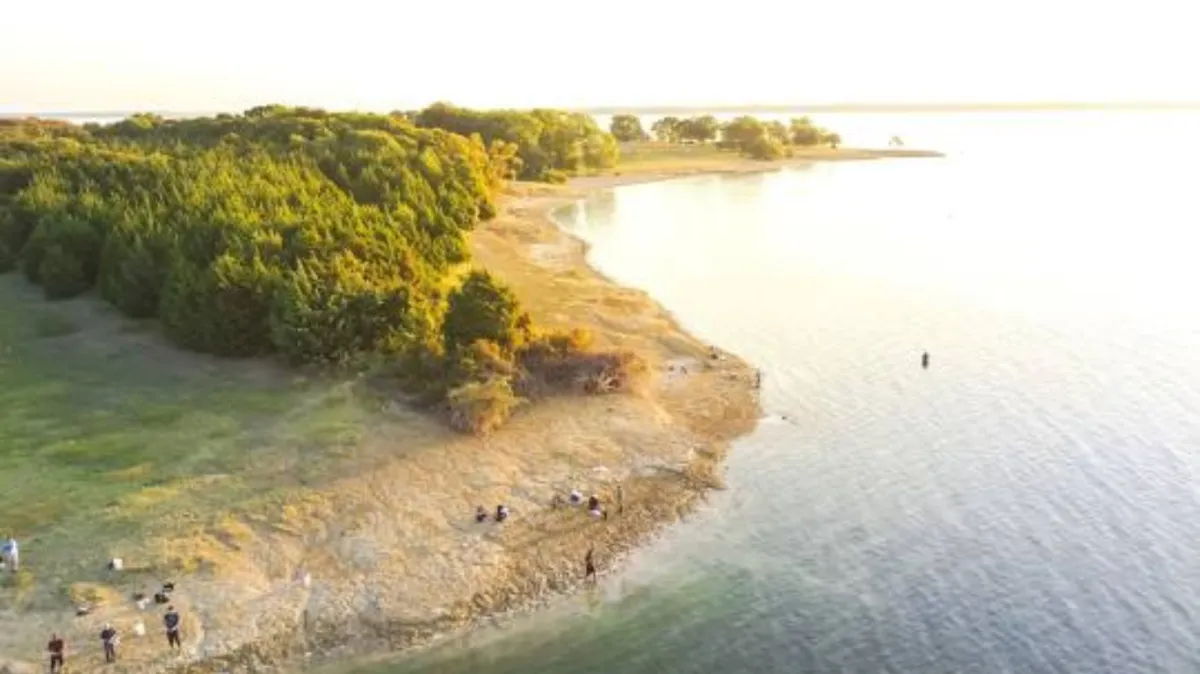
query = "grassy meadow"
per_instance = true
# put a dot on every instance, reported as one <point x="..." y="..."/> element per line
<point x="110" y="437"/>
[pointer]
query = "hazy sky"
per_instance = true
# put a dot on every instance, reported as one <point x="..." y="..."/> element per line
<point x="231" y="54"/>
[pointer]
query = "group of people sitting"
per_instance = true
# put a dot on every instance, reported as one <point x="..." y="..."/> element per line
<point x="593" y="503"/>
<point x="481" y="514"/>
<point x="575" y="499"/>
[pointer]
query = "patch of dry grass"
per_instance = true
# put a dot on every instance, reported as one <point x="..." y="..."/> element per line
<point x="665" y="159"/>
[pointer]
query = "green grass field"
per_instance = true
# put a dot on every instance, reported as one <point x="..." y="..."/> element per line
<point x="109" y="436"/>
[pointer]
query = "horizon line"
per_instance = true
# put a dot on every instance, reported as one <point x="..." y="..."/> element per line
<point x="873" y="106"/>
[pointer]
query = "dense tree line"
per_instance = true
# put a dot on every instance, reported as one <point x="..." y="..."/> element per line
<point x="311" y="234"/>
<point x="548" y="145"/>
<point x="318" y="236"/>
<point x="750" y="136"/>
<point x="701" y="129"/>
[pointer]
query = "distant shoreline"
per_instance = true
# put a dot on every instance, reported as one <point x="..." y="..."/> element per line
<point x="895" y="108"/>
<point x="783" y="108"/>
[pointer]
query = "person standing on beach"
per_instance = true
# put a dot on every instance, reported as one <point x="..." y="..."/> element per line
<point x="589" y="565"/>
<point x="56" y="647"/>
<point x="925" y="360"/>
<point x="12" y="554"/>
<point x="108" y="636"/>
<point x="171" y="622"/>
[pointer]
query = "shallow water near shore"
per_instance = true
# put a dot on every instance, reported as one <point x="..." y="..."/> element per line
<point x="1029" y="503"/>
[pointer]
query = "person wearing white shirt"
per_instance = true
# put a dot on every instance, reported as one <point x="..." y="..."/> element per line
<point x="12" y="555"/>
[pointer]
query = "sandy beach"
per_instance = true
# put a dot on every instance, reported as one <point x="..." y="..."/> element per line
<point x="394" y="554"/>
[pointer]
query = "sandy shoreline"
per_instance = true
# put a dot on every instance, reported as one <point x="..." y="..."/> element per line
<point x="395" y="558"/>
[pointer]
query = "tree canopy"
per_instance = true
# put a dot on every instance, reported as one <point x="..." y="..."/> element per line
<point x="549" y="144"/>
<point x="291" y="230"/>
<point x="751" y="136"/>
<point x="317" y="236"/>
<point x="627" y="128"/>
<point x="702" y="129"/>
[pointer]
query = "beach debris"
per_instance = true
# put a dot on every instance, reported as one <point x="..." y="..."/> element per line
<point x="303" y="577"/>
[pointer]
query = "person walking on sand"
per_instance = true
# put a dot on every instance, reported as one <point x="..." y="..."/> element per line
<point x="589" y="565"/>
<point x="171" y="622"/>
<point x="108" y="636"/>
<point x="56" y="647"/>
<point x="925" y="360"/>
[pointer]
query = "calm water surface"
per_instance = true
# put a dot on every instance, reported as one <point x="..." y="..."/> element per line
<point x="1031" y="503"/>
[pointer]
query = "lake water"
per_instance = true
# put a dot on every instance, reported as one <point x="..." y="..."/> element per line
<point x="1030" y="503"/>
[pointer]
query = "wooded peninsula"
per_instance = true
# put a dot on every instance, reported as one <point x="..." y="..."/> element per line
<point x="243" y="350"/>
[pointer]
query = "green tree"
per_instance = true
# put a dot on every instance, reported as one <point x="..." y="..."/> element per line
<point x="765" y="148"/>
<point x="702" y="129"/>
<point x="627" y="128"/>
<point x="482" y="308"/>
<point x="66" y="251"/>
<point x="8" y="256"/>
<point x="333" y="310"/>
<point x="804" y="132"/>
<point x="777" y="131"/>
<point x="740" y="132"/>
<point x="547" y="140"/>
<point x="666" y="130"/>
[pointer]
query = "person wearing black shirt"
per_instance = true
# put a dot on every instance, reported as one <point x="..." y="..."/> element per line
<point x="56" y="648"/>
<point x="109" y="637"/>
<point x="171" y="622"/>
<point x="589" y="566"/>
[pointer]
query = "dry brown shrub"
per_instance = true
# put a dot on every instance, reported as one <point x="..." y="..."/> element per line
<point x="565" y="361"/>
<point x="481" y="407"/>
